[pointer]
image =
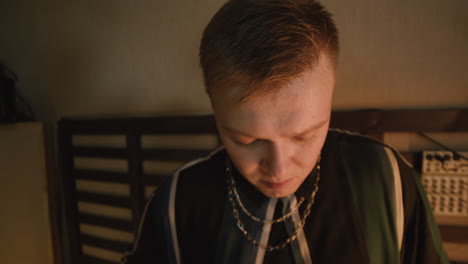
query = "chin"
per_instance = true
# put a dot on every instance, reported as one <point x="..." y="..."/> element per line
<point x="279" y="190"/>
<point x="277" y="194"/>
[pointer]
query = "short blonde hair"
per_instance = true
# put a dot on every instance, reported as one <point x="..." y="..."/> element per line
<point x="262" y="44"/>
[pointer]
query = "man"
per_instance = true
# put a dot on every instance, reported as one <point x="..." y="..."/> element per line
<point x="284" y="188"/>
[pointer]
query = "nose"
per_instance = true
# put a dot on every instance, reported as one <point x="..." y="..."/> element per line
<point x="274" y="162"/>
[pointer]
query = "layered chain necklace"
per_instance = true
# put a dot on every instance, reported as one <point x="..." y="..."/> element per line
<point x="234" y="198"/>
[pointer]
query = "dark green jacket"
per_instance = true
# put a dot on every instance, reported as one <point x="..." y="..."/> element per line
<point x="369" y="208"/>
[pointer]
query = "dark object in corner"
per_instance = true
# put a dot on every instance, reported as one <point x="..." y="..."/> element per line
<point x="12" y="107"/>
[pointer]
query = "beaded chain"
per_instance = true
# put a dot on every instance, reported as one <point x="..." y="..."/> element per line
<point x="234" y="197"/>
<point x="256" y="219"/>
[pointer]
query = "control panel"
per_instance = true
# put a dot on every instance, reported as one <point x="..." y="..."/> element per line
<point x="445" y="178"/>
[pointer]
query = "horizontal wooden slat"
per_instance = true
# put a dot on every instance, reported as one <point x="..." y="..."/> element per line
<point x="182" y="155"/>
<point x="98" y="175"/>
<point x="459" y="262"/>
<point x="112" y="200"/>
<point x="103" y="221"/>
<point x="141" y="125"/>
<point x="375" y="121"/>
<point x="100" y="152"/>
<point x="113" y="245"/>
<point x="93" y="260"/>
<point x="153" y="179"/>
<point x="454" y="234"/>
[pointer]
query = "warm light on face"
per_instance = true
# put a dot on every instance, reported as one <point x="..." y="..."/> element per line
<point x="275" y="140"/>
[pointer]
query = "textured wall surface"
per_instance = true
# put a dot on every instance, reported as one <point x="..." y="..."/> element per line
<point x="111" y="57"/>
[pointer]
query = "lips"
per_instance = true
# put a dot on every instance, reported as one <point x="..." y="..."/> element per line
<point x="276" y="185"/>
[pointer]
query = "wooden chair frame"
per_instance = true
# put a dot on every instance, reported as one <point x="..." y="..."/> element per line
<point x="371" y="122"/>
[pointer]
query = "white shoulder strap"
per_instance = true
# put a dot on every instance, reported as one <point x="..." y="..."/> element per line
<point x="399" y="210"/>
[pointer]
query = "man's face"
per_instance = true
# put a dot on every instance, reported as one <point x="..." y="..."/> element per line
<point x="275" y="140"/>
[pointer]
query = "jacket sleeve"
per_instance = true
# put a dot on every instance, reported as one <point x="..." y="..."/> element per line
<point x="421" y="238"/>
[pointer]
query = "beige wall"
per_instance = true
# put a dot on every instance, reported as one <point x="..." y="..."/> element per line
<point x="109" y="57"/>
<point x="402" y="54"/>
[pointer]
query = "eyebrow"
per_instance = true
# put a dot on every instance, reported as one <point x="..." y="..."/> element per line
<point x="235" y="131"/>
<point x="312" y="128"/>
<point x="305" y="132"/>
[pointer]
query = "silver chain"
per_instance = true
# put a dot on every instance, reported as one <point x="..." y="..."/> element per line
<point x="234" y="196"/>
<point x="280" y="219"/>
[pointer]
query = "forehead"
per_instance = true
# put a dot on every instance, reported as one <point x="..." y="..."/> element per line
<point x="303" y="101"/>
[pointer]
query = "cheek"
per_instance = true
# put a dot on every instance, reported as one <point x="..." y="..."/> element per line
<point x="245" y="159"/>
<point x="310" y="151"/>
<point x="303" y="157"/>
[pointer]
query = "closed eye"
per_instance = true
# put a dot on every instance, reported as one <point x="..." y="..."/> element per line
<point x="299" y="139"/>
<point x="303" y="139"/>
<point x="243" y="142"/>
